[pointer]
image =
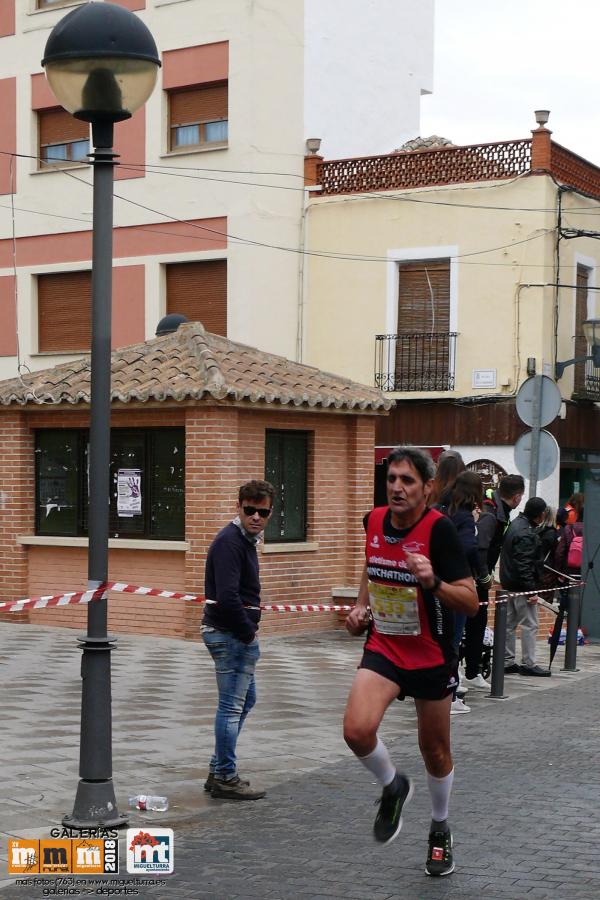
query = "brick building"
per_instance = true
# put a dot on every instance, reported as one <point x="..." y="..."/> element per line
<point x="193" y="416"/>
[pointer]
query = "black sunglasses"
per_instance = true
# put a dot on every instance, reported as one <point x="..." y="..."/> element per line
<point x="250" y="510"/>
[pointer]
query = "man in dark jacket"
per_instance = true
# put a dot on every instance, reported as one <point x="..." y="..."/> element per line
<point x="521" y="569"/>
<point x="495" y="517"/>
<point x="229" y="626"/>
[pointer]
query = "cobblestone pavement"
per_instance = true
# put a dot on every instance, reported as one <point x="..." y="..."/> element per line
<point x="524" y="807"/>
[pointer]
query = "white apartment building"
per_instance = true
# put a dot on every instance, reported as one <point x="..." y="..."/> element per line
<point x="209" y="193"/>
<point x="366" y="66"/>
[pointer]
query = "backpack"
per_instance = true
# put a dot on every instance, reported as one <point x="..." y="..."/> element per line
<point x="575" y="553"/>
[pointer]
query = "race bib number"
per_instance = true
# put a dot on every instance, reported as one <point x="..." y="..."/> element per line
<point x="395" y="609"/>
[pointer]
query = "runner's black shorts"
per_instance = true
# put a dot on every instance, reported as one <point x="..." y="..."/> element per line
<point x="434" y="683"/>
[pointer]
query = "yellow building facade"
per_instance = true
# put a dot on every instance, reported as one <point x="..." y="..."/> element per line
<point x="447" y="276"/>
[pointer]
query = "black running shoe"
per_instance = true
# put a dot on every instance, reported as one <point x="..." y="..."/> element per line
<point x="439" y="855"/>
<point x="513" y="669"/>
<point x="395" y="796"/>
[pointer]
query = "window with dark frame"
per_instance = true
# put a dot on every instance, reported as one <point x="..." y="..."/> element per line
<point x="286" y="467"/>
<point x="63" y="140"/>
<point x="199" y="117"/>
<point x="147" y="483"/>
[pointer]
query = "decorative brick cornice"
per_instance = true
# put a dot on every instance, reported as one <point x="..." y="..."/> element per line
<point x="441" y="166"/>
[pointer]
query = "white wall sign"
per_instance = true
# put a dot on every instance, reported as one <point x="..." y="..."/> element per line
<point x="484" y="378"/>
<point x="129" y="493"/>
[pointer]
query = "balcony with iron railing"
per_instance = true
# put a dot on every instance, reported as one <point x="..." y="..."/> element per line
<point x="587" y="381"/>
<point x="421" y="361"/>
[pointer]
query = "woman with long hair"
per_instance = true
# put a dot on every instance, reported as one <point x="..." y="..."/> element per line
<point x="574" y="507"/>
<point x="449" y="466"/>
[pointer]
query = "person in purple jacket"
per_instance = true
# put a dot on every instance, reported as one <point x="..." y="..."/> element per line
<point x="229" y="627"/>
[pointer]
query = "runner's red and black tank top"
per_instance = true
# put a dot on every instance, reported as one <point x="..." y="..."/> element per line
<point x="389" y="576"/>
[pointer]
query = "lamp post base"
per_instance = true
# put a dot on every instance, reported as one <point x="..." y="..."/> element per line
<point x="95" y="806"/>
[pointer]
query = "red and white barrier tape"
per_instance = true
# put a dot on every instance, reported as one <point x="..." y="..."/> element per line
<point x="506" y="595"/>
<point x="99" y="594"/>
<point x="120" y="587"/>
<point x="58" y="600"/>
<point x="304" y="607"/>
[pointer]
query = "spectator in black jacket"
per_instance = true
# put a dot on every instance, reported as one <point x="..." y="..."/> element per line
<point x="229" y="626"/>
<point x="499" y="504"/>
<point x="521" y="568"/>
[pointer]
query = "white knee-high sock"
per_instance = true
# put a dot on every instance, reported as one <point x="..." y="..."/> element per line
<point x="439" y="790"/>
<point x="380" y="765"/>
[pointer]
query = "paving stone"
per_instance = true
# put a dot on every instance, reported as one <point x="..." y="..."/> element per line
<point x="523" y="828"/>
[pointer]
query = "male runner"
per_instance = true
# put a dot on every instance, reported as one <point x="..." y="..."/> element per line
<point x="415" y="575"/>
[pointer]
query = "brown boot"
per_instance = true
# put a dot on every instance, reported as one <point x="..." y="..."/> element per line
<point x="234" y="789"/>
<point x="210" y="780"/>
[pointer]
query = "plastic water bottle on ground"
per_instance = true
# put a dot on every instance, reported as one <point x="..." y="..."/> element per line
<point x="148" y="802"/>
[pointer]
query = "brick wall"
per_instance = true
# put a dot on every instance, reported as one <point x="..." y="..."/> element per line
<point x="225" y="446"/>
<point x="57" y="569"/>
<point x="16" y="506"/>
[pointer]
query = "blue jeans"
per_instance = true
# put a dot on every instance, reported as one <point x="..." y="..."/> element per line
<point x="235" y="663"/>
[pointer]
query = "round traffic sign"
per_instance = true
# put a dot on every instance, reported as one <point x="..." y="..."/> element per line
<point x="547" y="456"/>
<point x="549" y="405"/>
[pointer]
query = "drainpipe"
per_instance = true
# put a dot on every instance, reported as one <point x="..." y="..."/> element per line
<point x="312" y="162"/>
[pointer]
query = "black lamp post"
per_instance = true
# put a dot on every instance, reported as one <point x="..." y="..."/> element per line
<point x="591" y="330"/>
<point x="101" y="62"/>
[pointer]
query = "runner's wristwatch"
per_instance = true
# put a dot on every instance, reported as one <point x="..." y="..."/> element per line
<point x="436" y="583"/>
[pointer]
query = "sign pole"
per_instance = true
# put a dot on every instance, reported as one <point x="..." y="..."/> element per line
<point x="536" y="427"/>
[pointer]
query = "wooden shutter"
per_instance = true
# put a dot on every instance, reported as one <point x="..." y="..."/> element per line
<point x="198" y="290"/>
<point x="201" y="104"/>
<point x="57" y="126"/>
<point x="581" y="346"/>
<point x="424" y="297"/>
<point x="422" y="343"/>
<point x="64" y="311"/>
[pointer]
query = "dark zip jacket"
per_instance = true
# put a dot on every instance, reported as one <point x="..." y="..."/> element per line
<point x="522" y="557"/>
<point x="492" y="525"/>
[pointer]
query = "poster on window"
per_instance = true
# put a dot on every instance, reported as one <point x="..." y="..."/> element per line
<point x="129" y="493"/>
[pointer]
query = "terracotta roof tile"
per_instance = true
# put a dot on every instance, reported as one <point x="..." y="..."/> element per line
<point x="192" y="364"/>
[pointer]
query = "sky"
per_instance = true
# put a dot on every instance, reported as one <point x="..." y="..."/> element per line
<point x="496" y="61"/>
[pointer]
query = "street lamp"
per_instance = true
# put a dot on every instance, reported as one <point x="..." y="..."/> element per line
<point x="101" y="62"/>
<point x="591" y="330"/>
